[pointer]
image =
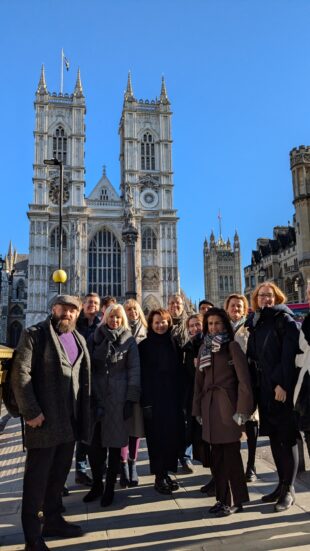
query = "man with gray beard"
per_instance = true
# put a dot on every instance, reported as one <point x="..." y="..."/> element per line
<point x="51" y="384"/>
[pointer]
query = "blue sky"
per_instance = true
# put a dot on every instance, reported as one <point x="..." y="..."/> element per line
<point x="237" y="75"/>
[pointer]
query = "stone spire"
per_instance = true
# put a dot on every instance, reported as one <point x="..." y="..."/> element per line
<point x="236" y="240"/>
<point x="163" y="92"/>
<point x="129" y="91"/>
<point x="9" y="259"/>
<point x="42" y="89"/>
<point x="78" y="90"/>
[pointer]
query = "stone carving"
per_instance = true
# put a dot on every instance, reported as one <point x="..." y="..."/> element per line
<point x="129" y="210"/>
<point x="150" y="278"/>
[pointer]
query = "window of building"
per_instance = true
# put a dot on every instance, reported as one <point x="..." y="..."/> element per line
<point x="231" y="283"/>
<point x="20" y="289"/>
<point x="149" y="240"/>
<point x="54" y="239"/>
<point x="104" y="195"/>
<point x="104" y="265"/>
<point x="221" y="283"/>
<point x="226" y="283"/>
<point x="147" y="152"/>
<point x="60" y="145"/>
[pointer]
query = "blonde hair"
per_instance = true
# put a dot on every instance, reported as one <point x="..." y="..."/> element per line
<point x="110" y="309"/>
<point x="238" y="297"/>
<point x="280" y="297"/>
<point x="132" y="302"/>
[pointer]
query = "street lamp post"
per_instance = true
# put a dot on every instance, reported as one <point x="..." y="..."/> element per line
<point x="56" y="162"/>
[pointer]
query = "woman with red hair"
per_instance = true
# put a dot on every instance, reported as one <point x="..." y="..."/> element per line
<point x="272" y="347"/>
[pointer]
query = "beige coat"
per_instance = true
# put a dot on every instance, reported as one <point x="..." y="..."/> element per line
<point x="241" y="337"/>
<point x="222" y="390"/>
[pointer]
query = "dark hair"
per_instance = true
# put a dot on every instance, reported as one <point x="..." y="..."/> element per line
<point x="107" y="300"/>
<point x="205" y="302"/>
<point x="220" y="312"/>
<point x="159" y="312"/>
<point x="91" y="295"/>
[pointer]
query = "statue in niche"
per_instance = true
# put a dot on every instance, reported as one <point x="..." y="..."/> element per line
<point x="129" y="210"/>
<point x="150" y="279"/>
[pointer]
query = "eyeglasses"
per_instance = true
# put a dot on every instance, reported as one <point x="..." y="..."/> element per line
<point x="265" y="295"/>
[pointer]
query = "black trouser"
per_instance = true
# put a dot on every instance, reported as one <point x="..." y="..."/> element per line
<point x="251" y="429"/>
<point x="46" y="471"/>
<point x="81" y="452"/>
<point x="227" y="469"/>
<point x="285" y="455"/>
<point x="97" y="456"/>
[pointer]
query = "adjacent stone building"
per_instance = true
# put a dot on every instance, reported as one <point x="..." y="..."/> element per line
<point x="285" y="259"/>
<point x="102" y="232"/>
<point x="13" y="295"/>
<point x="222" y="269"/>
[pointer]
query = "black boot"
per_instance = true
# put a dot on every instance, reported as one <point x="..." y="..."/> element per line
<point x="95" y="492"/>
<point x="124" y="475"/>
<point x="161" y="485"/>
<point x="108" y="494"/>
<point x="273" y="496"/>
<point x="133" y="475"/>
<point x="209" y="488"/>
<point x="286" y="499"/>
<point x="37" y="545"/>
<point x="57" y="526"/>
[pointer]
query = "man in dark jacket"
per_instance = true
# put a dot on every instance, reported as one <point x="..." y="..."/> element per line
<point x="86" y="325"/>
<point x="179" y="332"/>
<point x="51" y="383"/>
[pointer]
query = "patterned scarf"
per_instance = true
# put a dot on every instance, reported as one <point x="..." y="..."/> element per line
<point x="212" y="344"/>
<point x="237" y="324"/>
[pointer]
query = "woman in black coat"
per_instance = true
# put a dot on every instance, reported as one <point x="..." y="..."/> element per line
<point x="302" y="389"/>
<point x="161" y="398"/>
<point x="272" y="347"/>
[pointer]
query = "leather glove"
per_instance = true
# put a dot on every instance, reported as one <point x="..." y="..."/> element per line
<point x="128" y="410"/>
<point x="147" y="413"/>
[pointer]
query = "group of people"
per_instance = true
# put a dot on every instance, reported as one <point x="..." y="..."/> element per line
<point x="100" y="375"/>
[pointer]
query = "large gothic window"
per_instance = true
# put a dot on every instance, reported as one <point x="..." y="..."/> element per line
<point x="60" y="145"/>
<point x="54" y="239"/>
<point x="104" y="265"/>
<point x="149" y="241"/>
<point x="147" y="152"/>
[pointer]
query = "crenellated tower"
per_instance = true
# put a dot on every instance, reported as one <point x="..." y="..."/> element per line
<point x="222" y="268"/>
<point x="300" y="167"/>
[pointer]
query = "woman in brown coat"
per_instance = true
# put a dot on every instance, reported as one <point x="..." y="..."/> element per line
<point x="223" y="400"/>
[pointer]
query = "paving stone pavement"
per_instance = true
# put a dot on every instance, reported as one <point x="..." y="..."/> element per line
<point x="142" y="519"/>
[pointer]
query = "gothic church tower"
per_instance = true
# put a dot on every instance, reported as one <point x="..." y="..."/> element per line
<point x="94" y="252"/>
<point x="146" y="169"/>
<point x="59" y="133"/>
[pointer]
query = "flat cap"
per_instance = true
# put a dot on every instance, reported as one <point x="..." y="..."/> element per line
<point x="67" y="299"/>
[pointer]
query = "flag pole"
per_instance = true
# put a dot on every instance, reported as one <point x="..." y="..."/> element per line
<point x="62" y="71"/>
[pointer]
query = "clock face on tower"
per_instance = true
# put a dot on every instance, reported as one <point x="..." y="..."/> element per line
<point x="54" y="192"/>
<point x="149" y="198"/>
